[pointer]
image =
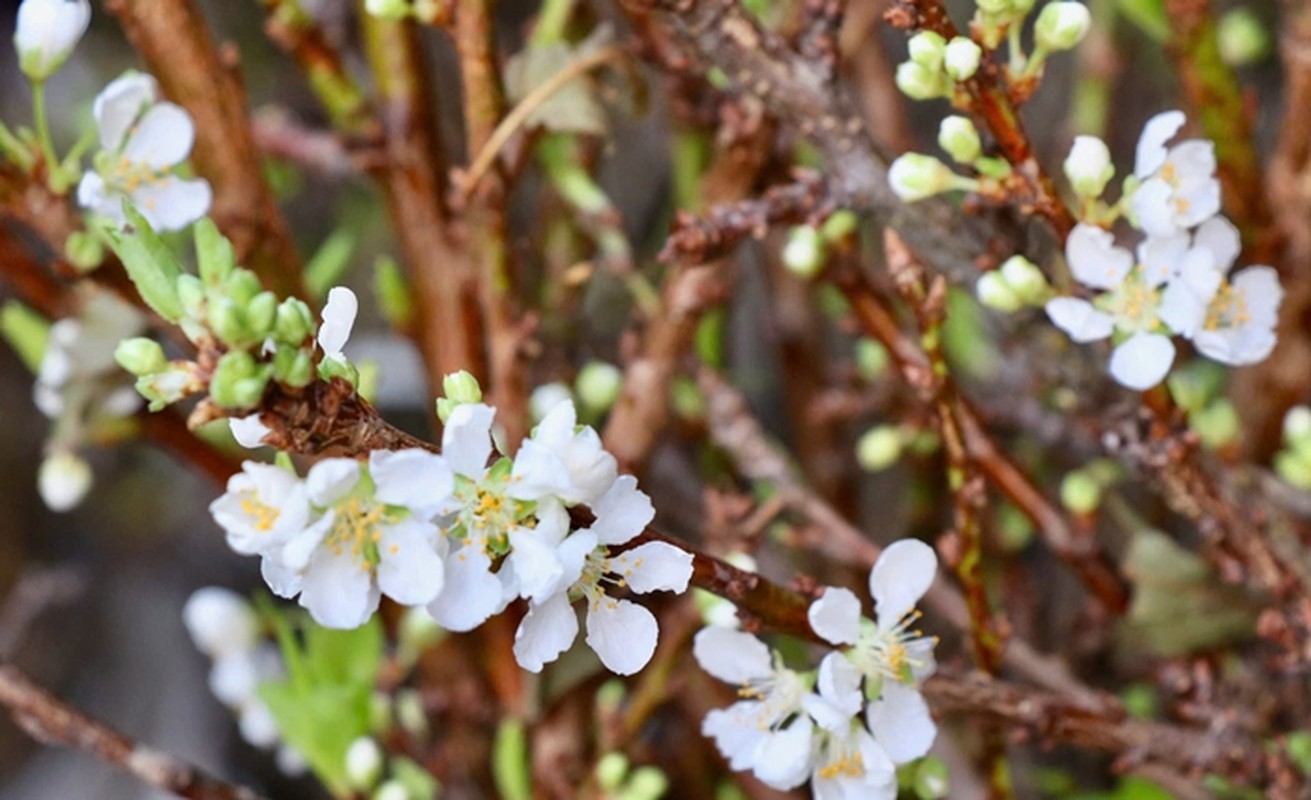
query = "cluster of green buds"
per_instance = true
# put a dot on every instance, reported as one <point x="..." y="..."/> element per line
<point x="460" y="388"/>
<point x="618" y="781"/>
<point x="1017" y="284"/>
<point x="917" y="176"/>
<point x="935" y="66"/>
<point x="808" y="246"/>
<point x="1293" y="462"/>
<point x="1198" y="388"/>
<point x="245" y="336"/>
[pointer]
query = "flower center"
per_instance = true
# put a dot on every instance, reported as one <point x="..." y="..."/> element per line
<point x="356" y="525"/>
<point x="1134" y="304"/>
<point x="893" y="653"/>
<point x="263" y="516"/>
<point x="778" y="696"/>
<point x="841" y="760"/>
<point x="1228" y="309"/>
<point x="129" y="176"/>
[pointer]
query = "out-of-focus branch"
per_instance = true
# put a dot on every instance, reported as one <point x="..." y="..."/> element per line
<point x="50" y="721"/>
<point x="173" y="39"/>
<point x="297" y="33"/>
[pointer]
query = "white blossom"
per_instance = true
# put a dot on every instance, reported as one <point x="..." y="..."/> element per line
<point x="63" y="480"/>
<point x="46" y="32"/>
<point x="1088" y="167"/>
<point x="1178" y="188"/>
<point x="142" y="140"/>
<point x="338" y="319"/>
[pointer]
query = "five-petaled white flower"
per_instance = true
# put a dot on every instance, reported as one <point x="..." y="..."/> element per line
<point x="622" y="633"/>
<point x="142" y="140"/>
<point x="46" y="33"/>
<point x="1178" y="188"/>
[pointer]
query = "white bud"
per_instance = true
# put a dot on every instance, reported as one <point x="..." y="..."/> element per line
<point x="879" y="447"/>
<point x="1024" y="278"/>
<point x="598" y="385"/>
<point x="803" y="254"/>
<point x="46" y="33"/>
<point x="961" y="58"/>
<point x="919" y="82"/>
<point x="1089" y="167"/>
<point x="1061" y="26"/>
<point x="363" y="763"/>
<point x="1297" y="424"/>
<point x="546" y="397"/>
<point x="915" y="176"/>
<point x="994" y="293"/>
<point x="220" y="621"/>
<point x="63" y="480"/>
<point x="926" y="48"/>
<point x="392" y="790"/>
<point x="958" y="136"/>
<point x="388" y="9"/>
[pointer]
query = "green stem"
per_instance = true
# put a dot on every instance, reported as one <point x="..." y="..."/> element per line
<point x="551" y="22"/>
<point x="43" y="131"/>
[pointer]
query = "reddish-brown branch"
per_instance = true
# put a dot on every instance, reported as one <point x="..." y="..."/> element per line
<point x="174" y="41"/>
<point x="50" y="721"/>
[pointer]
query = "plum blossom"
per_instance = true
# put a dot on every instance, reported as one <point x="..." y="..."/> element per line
<point x="46" y="33"/>
<point x="1178" y="188"/>
<point x="143" y="140"/>
<point x="1237" y="325"/>
<point x="622" y="633"/>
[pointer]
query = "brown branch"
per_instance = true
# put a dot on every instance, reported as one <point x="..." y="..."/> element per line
<point x="174" y="41"/>
<point x="50" y="721"/>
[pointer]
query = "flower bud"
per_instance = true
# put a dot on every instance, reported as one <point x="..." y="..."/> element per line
<point x="330" y="368"/>
<point x="238" y="382"/>
<point x="1061" y="25"/>
<point x="462" y="387"/>
<point x="927" y="48"/>
<point x="915" y="176"/>
<point x="958" y="136"/>
<point x="261" y="313"/>
<point x="611" y="770"/>
<point x="46" y="33"/>
<point x="1242" y="38"/>
<point x="84" y="250"/>
<point x="363" y="763"/>
<point x="388" y="9"/>
<point x="919" y="82"/>
<point x="1297" y="425"/>
<point x="1024" y="278"/>
<point x="293" y="322"/>
<point x="803" y="254"/>
<point x="879" y="447"/>
<point x="871" y="359"/>
<point x="1081" y="493"/>
<point x="546" y="397"/>
<point x="392" y="790"/>
<point x="410" y="714"/>
<point x="961" y="58"/>
<point x="994" y="292"/>
<point x="191" y="292"/>
<point x="931" y="779"/>
<point x="1089" y="167"/>
<point x="242" y="285"/>
<point x="140" y="356"/>
<point x="175" y="382"/>
<point x="220" y="621"/>
<point x="1216" y="425"/>
<point x="63" y="480"/>
<point x="646" y="783"/>
<point x="214" y="254"/>
<point x="293" y="366"/>
<point x="598" y="385"/>
<point x="1294" y="468"/>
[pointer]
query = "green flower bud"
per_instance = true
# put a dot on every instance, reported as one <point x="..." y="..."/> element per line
<point x="410" y="714"/>
<point x="598" y="385"/>
<point x="915" y="176"/>
<point x="879" y="447"/>
<point x="1217" y="425"/>
<point x="363" y="763"/>
<point x="646" y="783"/>
<point x="1081" y="493"/>
<point x="839" y="226"/>
<point x="293" y="323"/>
<point x="1242" y="38"/>
<point x="214" y="253"/>
<point x="611" y="771"/>
<point x="84" y="250"/>
<point x="931" y="780"/>
<point x="293" y="367"/>
<point x="242" y="286"/>
<point x="1024" y="278"/>
<point x="330" y="368"/>
<point x="1297" y="425"/>
<point x="140" y="356"/>
<point x="958" y="136"/>
<point x="238" y="382"/>
<point x="927" y="48"/>
<point x="169" y="385"/>
<point x="803" y="255"/>
<point x="1293" y="468"/>
<point x="462" y="387"/>
<point x="388" y="9"/>
<point x="1061" y="25"/>
<point x="919" y="82"/>
<point x="871" y="359"/>
<point x="228" y="322"/>
<point x="192" y="293"/>
<point x="961" y="58"/>
<point x="994" y="292"/>
<point x="261" y="314"/>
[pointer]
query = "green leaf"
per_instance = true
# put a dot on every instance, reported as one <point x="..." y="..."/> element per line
<point x="510" y="761"/>
<point x="393" y="293"/>
<point x="26" y="331"/>
<point x="329" y="263"/>
<point x="150" y="264"/>
<point x="1148" y="16"/>
<point x="214" y="253"/>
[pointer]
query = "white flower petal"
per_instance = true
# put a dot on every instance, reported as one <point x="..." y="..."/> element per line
<point x="573" y="553"/>
<point x="538" y="472"/>
<point x="546" y="631"/>
<point x="1142" y="361"/>
<point x="902" y="574"/>
<point x="338" y="590"/>
<point x="835" y="616"/>
<point x="732" y="656"/>
<point x="622" y="633"/>
<point x="1196" y="200"/>
<point x="257" y="725"/>
<point x="1160" y="256"/>
<point x="338" y="320"/>
<point x="536" y="567"/>
<point x="623" y="512"/>
<point x="654" y="566"/>
<point x="1151" y="151"/>
<point x="1219" y="236"/>
<point x="118" y="106"/>
<point x="737" y="732"/>
<point x="162" y="138"/>
<point x="234" y="678"/>
<point x="46" y="31"/>
<point x="784" y="762"/>
<point x="410" y="571"/>
<point x="1154" y="207"/>
<point x="901" y="723"/>
<point x="1094" y="259"/>
<point x="282" y="580"/>
<point x="1080" y="319"/>
<point x="467" y="439"/>
<point x="470" y="594"/>
<point x="839" y="698"/>
<point x="331" y="479"/>
<point x="249" y="431"/>
<point x="413" y="478"/>
<point x="172" y="203"/>
<point x="220" y="621"/>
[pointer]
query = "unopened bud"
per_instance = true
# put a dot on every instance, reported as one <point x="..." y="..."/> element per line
<point x="46" y="33"/>
<point x="63" y="479"/>
<point x="140" y="356"/>
<point x="879" y="447"/>
<point x="363" y="763"/>
<point x="994" y="292"/>
<point x="915" y="176"/>
<point x="392" y="790"/>
<point x="1062" y="25"/>
<point x="1297" y="425"/>
<point x="238" y="382"/>
<point x="927" y="48"/>
<point x="1024" y="278"/>
<point x="598" y="385"/>
<point x="1242" y="37"/>
<point x="961" y="58"/>
<point x="1081" y="493"/>
<point x="803" y="254"/>
<point x="919" y="82"/>
<point x="388" y="9"/>
<point x="958" y="136"/>
<point x="294" y="322"/>
<point x="611" y="770"/>
<point x="1089" y="167"/>
<point x="871" y="359"/>
<point x="646" y="783"/>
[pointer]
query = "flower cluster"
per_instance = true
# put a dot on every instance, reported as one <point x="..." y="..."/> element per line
<point x="1177" y="281"/>
<point x="224" y="627"/>
<point x="464" y="533"/>
<point x="846" y="726"/>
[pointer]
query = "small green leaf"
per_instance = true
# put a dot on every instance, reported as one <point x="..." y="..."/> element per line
<point x="329" y="263"/>
<point x="214" y="253"/>
<point x="150" y="264"/>
<point x="26" y="331"/>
